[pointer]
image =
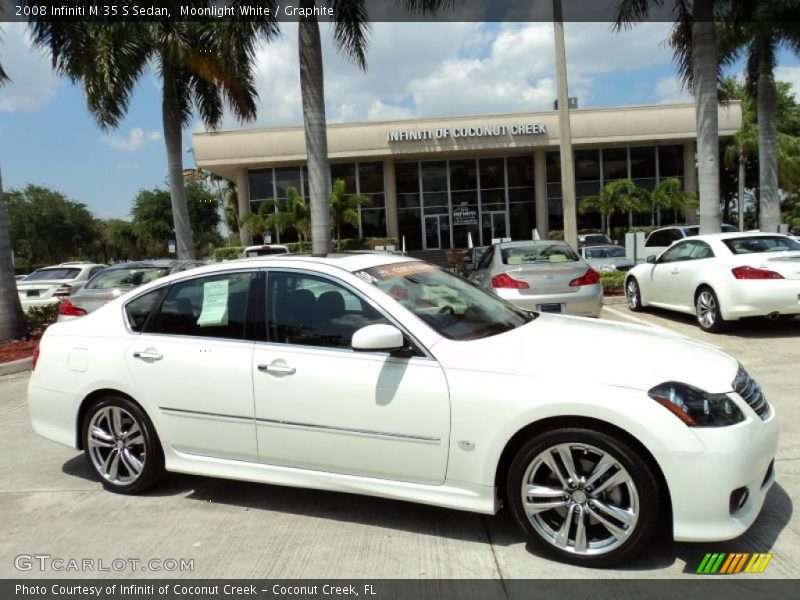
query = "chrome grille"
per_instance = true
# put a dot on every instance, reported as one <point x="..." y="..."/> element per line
<point x="750" y="391"/>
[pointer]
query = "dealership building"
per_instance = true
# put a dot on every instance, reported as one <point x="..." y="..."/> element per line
<point x="434" y="181"/>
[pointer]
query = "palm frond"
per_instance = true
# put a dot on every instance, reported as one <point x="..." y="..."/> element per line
<point x="633" y="12"/>
<point x="351" y="30"/>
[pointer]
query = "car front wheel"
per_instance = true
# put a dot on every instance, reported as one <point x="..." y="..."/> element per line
<point x="121" y="445"/>
<point x="583" y="496"/>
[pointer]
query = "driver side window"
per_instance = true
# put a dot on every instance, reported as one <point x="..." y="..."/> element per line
<point x="678" y="253"/>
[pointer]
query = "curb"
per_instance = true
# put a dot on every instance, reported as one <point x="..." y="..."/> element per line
<point x="16" y="366"/>
<point x="614" y="300"/>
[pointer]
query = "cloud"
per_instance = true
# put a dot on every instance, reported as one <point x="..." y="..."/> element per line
<point x="669" y="91"/>
<point x="33" y="84"/>
<point x="790" y="75"/>
<point x="135" y="140"/>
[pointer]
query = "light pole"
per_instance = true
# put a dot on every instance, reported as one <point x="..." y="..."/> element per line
<point x="565" y="132"/>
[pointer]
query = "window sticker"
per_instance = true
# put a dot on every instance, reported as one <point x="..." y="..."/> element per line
<point x="215" y="304"/>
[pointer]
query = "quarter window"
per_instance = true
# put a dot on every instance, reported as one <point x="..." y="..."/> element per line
<point x="139" y="309"/>
<point x="315" y="311"/>
<point x="213" y="306"/>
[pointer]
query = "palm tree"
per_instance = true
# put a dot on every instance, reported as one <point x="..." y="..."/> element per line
<point x="12" y="319"/>
<point x="350" y="32"/>
<point x="617" y="196"/>
<point x="344" y="207"/>
<point x="669" y="194"/>
<point x="271" y="217"/>
<point x="203" y="65"/>
<point x="694" y="42"/>
<point x="758" y="30"/>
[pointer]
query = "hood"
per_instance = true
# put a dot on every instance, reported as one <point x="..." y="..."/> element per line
<point x="573" y="349"/>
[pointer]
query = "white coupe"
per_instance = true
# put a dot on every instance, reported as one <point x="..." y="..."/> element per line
<point x="387" y="376"/>
<point x="720" y="278"/>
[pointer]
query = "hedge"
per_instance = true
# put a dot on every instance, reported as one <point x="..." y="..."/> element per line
<point x="613" y="283"/>
<point x="39" y="317"/>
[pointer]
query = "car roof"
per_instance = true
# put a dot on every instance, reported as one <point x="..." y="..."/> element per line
<point x="526" y="243"/>
<point x="157" y="263"/>
<point x="603" y="246"/>
<point x="736" y="235"/>
<point x="354" y="261"/>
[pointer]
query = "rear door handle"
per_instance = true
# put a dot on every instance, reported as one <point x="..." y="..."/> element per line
<point x="277" y="369"/>
<point x="148" y="355"/>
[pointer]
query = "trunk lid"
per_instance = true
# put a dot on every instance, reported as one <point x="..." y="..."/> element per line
<point x="547" y="278"/>
<point x="785" y="263"/>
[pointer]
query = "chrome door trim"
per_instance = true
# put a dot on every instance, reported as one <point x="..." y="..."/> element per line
<point x="384" y="434"/>
<point x="182" y="412"/>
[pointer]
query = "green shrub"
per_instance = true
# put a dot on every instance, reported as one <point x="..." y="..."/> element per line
<point x="613" y="283"/>
<point x="228" y="253"/>
<point x="555" y="234"/>
<point x="40" y="317"/>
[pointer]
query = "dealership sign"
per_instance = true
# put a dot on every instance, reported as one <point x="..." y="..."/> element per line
<point x="467" y="131"/>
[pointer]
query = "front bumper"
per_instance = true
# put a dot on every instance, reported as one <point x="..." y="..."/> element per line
<point x="700" y="485"/>
<point x="586" y="302"/>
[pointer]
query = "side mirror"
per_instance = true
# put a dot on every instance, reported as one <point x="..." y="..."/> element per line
<point x="378" y="338"/>
<point x="651" y="259"/>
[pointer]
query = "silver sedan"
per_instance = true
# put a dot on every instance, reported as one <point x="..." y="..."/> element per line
<point x="542" y="275"/>
<point x="607" y="258"/>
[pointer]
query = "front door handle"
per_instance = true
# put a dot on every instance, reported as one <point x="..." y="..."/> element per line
<point x="148" y="355"/>
<point x="277" y="369"/>
<point x="675" y="271"/>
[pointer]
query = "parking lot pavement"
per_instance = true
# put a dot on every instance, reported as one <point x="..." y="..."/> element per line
<point x="51" y="505"/>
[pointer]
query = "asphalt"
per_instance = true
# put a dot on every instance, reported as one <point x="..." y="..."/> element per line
<point x="51" y="505"/>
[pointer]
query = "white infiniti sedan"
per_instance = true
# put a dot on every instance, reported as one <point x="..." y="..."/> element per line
<point x="720" y="278"/>
<point x="390" y="377"/>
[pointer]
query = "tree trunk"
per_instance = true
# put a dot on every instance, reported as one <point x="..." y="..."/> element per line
<point x="742" y="172"/>
<point x="313" y="92"/>
<point x="770" y="216"/>
<point x="12" y="319"/>
<point x="173" y="131"/>
<point x="704" y="36"/>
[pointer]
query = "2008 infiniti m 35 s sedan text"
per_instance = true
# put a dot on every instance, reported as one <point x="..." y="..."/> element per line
<point x="387" y="376"/>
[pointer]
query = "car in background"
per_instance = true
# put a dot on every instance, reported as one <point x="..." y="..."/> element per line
<point x="661" y="239"/>
<point x="117" y="280"/>
<point x="263" y="250"/>
<point x="606" y="259"/>
<point x="20" y="277"/>
<point x="51" y="285"/>
<point x="392" y="377"/>
<point x="541" y="275"/>
<point x="471" y="260"/>
<point x="721" y="277"/>
<point x="594" y="239"/>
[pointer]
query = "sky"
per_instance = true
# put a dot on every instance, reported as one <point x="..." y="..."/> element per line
<point x="48" y="138"/>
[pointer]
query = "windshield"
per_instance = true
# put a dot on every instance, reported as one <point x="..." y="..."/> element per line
<point x="543" y="253"/>
<point x="752" y="245"/>
<point x="125" y="278"/>
<point x="610" y="252"/>
<point x="44" y="274"/>
<point x="450" y="305"/>
<point x="596" y="239"/>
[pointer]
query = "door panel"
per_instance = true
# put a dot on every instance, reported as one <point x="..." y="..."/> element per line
<point x="320" y="405"/>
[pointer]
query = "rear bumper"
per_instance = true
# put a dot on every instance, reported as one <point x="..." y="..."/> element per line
<point x="755" y="298"/>
<point x="586" y="302"/>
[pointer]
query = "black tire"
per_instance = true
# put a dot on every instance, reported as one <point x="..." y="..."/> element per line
<point x="586" y="446"/>
<point x="707" y="311"/>
<point x="133" y="441"/>
<point x="633" y="295"/>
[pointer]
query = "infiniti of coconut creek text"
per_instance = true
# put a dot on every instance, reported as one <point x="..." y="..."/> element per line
<point x="134" y="590"/>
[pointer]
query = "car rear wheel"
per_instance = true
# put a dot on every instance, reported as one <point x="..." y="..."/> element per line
<point x="583" y="496"/>
<point x="121" y="446"/>
<point x="633" y="295"/>
<point x="709" y="317"/>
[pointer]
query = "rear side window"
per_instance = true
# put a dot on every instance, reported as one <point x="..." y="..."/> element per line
<point x="214" y="306"/>
<point x="139" y="309"/>
<point x="752" y="245"/>
<point x="126" y="278"/>
<point x="545" y="253"/>
<point x="45" y="274"/>
<point x="657" y="238"/>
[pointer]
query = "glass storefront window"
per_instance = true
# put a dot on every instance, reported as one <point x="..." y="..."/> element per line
<point x="615" y="164"/>
<point x="670" y="161"/>
<point x="493" y="199"/>
<point x="553" y="162"/>
<point x="375" y="200"/>
<point x="521" y="195"/>
<point x="643" y="162"/>
<point x="260" y="184"/>
<point x="409" y="226"/>
<point x="520" y="171"/>
<point x="523" y="220"/>
<point x="347" y="173"/>
<point x="438" y="199"/>
<point x="407" y="201"/>
<point x="287" y="177"/>
<point x="463" y="175"/>
<point x="434" y="176"/>
<point x="373" y="222"/>
<point x="492" y="173"/>
<point x="407" y="175"/>
<point x="587" y="165"/>
<point x="370" y="177"/>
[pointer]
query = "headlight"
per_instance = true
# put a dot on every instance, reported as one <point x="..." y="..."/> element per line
<point x="695" y="407"/>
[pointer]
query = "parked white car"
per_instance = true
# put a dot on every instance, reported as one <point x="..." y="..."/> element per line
<point x="662" y="238"/>
<point x="387" y="376"/>
<point x="721" y="277"/>
<point x="52" y="284"/>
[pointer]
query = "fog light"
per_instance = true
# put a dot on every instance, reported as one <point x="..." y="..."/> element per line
<point x="738" y="499"/>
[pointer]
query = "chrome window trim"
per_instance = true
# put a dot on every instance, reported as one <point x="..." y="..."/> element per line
<point x="360" y="296"/>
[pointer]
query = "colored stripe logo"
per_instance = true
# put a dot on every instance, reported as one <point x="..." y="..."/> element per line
<point x="722" y="563"/>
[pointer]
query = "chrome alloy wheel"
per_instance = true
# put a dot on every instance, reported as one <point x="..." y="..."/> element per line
<point x="580" y="499"/>
<point x="706" y="309"/>
<point x="116" y="445"/>
<point x="632" y="292"/>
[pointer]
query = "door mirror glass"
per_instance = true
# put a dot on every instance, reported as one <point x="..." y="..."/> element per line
<point x="651" y="259"/>
<point x="378" y="338"/>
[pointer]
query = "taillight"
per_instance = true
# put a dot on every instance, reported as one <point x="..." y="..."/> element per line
<point x="63" y="290"/>
<point x="504" y="280"/>
<point x="746" y="272"/>
<point x="589" y="278"/>
<point x="68" y="309"/>
<point x="35" y="358"/>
